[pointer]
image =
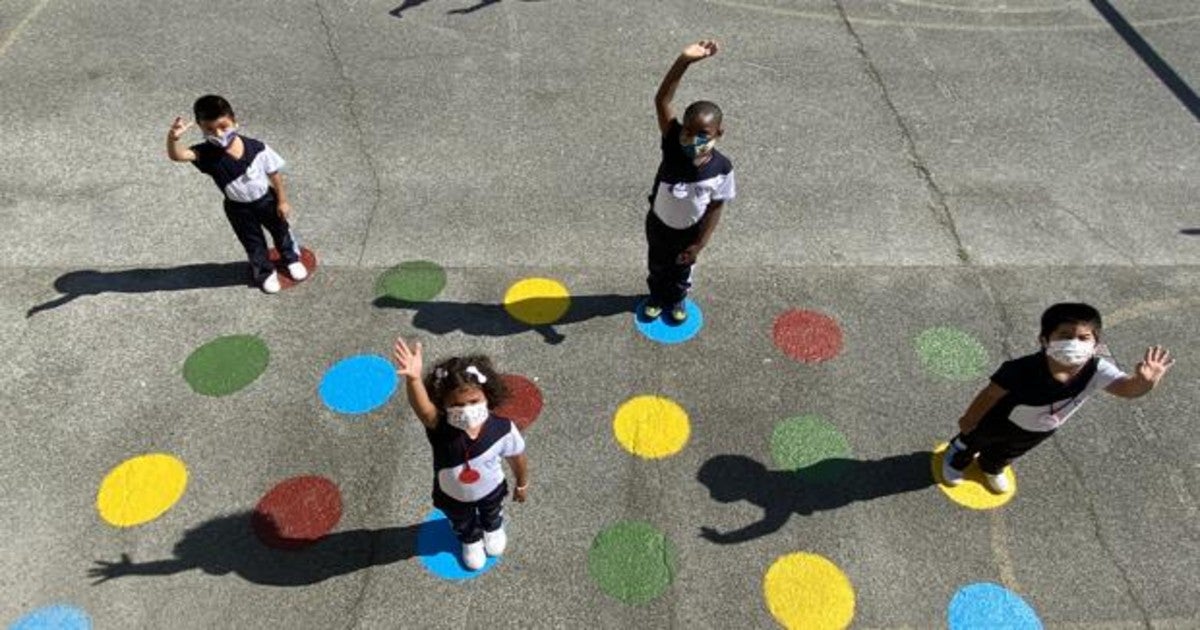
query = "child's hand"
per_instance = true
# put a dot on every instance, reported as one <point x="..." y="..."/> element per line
<point x="409" y="360"/>
<point x="285" y="210"/>
<point x="177" y="128"/>
<point x="519" y="494"/>
<point x="700" y="50"/>
<point x="1155" y="364"/>
<point x="688" y="256"/>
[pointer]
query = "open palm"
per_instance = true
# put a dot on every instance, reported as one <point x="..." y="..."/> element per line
<point x="1155" y="364"/>
<point x="408" y="360"/>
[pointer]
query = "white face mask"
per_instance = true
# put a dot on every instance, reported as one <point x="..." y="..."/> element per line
<point x="1071" y="351"/>
<point x="467" y="416"/>
<point x="222" y="140"/>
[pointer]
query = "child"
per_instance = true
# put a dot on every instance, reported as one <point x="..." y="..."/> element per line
<point x="247" y="172"/>
<point x="1030" y="397"/>
<point x="693" y="183"/>
<point x="454" y="402"/>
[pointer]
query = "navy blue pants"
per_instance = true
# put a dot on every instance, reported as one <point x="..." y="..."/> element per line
<point x="248" y="221"/>
<point x="668" y="281"/>
<point x="470" y="520"/>
<point x="997" y="442"/>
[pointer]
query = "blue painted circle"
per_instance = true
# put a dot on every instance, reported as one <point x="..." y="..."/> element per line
<point x="662" y="330"/>
<point x="56" y="617"/>
<point x="986" y="605"/>
<point x="358" y="384"/>
<point x="440" y="551"/>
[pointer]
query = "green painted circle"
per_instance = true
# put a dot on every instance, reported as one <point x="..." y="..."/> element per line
<point x="226" y="364"/>
<point x="951" y="353"/>
<point x="632" y="561"/>
<point x="412" y="281"/>
<point x="809" y="446"/>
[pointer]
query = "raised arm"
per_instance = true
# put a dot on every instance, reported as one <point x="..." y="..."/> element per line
<point x="1149" y="372"/>
<point x="984" y="401"/>
<point x="177" y="151"/>
<point x="410" y="365"/>
<point x="666" y="90"/>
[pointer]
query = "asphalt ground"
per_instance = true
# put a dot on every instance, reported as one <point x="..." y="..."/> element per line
<point x="902" y="166"/>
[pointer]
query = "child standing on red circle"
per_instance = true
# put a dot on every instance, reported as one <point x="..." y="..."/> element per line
<point x="454" y="403"/>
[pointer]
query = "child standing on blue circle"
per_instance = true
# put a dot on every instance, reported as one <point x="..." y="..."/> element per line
<point x="1029" y="398"/>
<point x="454" y="403"/>
<point x="693" y="183"/>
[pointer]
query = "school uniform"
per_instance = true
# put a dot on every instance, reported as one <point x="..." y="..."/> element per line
<point x="469" y="485"/>
<point x="1035" y="406"/>
<point x="250" y="202"/>
<point x="681" y="196"/>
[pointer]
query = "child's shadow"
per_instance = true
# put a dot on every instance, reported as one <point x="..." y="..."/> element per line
<point x="826" y="485"/>
<point x="228" y="544"/>
<point x="410" y="4"/>
<point x="493" y="320"/>
<point x="76" y="284"/>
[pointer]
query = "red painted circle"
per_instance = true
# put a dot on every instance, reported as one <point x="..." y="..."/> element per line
<point x="297" y="512"/>
<point x="524" y="401"/>
<point x="306" y="256"/>
<point x="807" y="336"/>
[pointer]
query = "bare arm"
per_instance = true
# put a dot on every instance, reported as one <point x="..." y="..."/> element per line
<point x="707" y="224"/>
<point x="520" y="468"/>
<point x="1149" y="372"/>
<point x="410" y="363"/>
<point x="983" y="402"/>
<point x="284" y="207"/>
<point x="176" y="150"/>
<point x="666" y="89"/>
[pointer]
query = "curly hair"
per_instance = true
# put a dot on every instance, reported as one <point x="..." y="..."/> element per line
<point x="473" y="371"/>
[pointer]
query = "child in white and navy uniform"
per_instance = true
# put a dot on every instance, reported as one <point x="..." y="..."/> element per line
<point x="1029" y="398"/>
<point x="248" y="173"/>
<point x="454" y="402"/>
<point x="693" y="183"/>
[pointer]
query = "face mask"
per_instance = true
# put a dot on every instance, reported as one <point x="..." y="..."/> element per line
<point x="1071" y="351"/>
<point x="222" y="140"/>
<point x="698" y="146"/>
<point x="468" y="416"/>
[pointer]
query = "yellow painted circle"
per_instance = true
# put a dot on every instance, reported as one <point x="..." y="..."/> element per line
<point x="140" y="489"/>
<point x="536" y="301"/>
<point x="971" y="492"/>
<point x="651" y="426"/>
<point x="804" y="590"/>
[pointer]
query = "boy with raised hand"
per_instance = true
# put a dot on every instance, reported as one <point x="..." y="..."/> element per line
<point x="693" y="183"/>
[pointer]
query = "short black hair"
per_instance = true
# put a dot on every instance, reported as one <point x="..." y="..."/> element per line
<point x="451" y="374"/>
<point x="1070" y="313"/>
<point x="212" y="107"/>
<point x="703" y="109"/>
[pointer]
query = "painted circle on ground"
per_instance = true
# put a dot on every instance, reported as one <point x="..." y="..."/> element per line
<point x="358" y="384"/>
<point x="662" y="330"/>
<point x="807" y="336"/>
<point x="140" y="489"/>
<point x="412" y="281"/>
<point x="54" y="617"/>
<point x="951" y="353"/>
<point x="441" y="552"/>
<point x="297" y="512"/>
<point x="651" y="426"/>
<point x="800" y="444"/>
<point x="285" y="280"/>
<point x="632" y="561"/>
<point x="226" y="364"/>
<point x="986" y="605"/>
<point x="972" y="492"/>
<point x="537" y="301"/>
<point x="805" y="590"/>
<point x="524" y="401"/>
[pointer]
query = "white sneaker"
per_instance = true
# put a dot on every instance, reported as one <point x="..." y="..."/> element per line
<point x="951" y="476"/>
<point x="474" y="556"/>
<point x="271" y="284"/>
<point x="297" y="271"/>
<point x="495" y="542"/>
<point x="996" y="483"/>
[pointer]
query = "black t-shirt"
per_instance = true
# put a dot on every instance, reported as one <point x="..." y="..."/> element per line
<point x="1036" y="401"/>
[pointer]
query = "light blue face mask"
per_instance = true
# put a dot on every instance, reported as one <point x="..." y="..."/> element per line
<point x="699" y="145"/>
<point x="222" y="140"/>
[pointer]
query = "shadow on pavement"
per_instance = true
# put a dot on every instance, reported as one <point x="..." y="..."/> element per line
<point x="411" y="4"/>
<point x="228" y="545"/>
<point x="493" y="320"/>
<point x="76" y="284"/>
<point x="826" y="485"/>
<point x="1190" y="231"/>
